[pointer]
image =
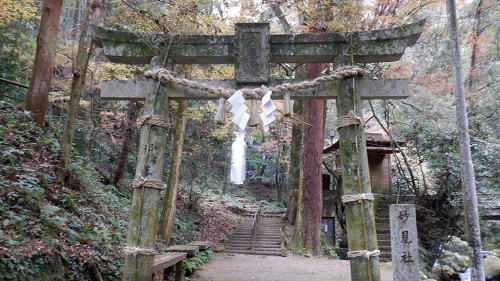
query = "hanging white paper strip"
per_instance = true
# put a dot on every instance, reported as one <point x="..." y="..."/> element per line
<point x="238" y="167"/>
<point x="236" y="98"/>
<point x="239" y="110"/>
<point x="268" y="107"/>
<point x="267" y="104"/>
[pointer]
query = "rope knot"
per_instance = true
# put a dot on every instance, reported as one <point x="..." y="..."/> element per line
<point x="134" y="251"/>
<point x="157" y="120"/>
<point x="144" y="182"/>
<point x="357" y="197"/>
<point x="365" y="254"/>
<point x="349" y="120"/>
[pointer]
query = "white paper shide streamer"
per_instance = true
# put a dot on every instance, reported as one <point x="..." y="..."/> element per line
<point x="238" y="160"/>
<point x="239" y="109"/>
<point x="268" y="108"/>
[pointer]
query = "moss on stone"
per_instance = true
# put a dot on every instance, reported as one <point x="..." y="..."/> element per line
<point x="492" y="267"/>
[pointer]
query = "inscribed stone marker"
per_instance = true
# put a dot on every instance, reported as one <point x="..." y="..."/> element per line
<point x="252" y="53"/>
<point x="404" y="242"/>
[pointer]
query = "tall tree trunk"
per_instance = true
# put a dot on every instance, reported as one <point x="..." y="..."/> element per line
<point x="476" y="32"/>
<point x="307" y="231"/>
<point x="130" y="126"/>
<point x="275" y="7"/>
<point x="89" y="119"/>
<point x="39" y="87"/>
<point x="294" y="174"/>
<point x="467" y="168"/>
<point x="79" y="73"/>
<point x="167" y="218"/>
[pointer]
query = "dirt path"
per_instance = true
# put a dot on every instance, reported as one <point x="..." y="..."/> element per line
<point x="239" y="267"/>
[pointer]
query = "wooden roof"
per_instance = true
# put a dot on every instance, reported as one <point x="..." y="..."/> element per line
<point x="375" y="143"/>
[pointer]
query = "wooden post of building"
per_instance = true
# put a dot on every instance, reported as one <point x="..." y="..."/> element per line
<point x="143" y="221"/>
<point x="357" y="196"/>
<point x="404" y="242"/>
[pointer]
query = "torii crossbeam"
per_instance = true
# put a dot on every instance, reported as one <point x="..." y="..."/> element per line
<point x="252" y="49"/>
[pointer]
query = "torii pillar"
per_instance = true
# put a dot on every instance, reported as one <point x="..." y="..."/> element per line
<point x="358" y="47"/>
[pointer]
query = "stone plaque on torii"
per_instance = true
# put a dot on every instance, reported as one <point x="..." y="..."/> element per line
<point x="252" y="49"/>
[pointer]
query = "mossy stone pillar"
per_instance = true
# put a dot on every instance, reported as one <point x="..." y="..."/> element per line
<point x="143" y="221"/>
<point x="360" y="218"/>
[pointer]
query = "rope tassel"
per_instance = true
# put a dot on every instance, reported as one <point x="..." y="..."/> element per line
<point x="287" y="106"/>
<point x="220" y="116"/>
<point x="254" y="114"/>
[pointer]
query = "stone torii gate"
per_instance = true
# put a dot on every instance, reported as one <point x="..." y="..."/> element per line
<point x="251" y="50"/>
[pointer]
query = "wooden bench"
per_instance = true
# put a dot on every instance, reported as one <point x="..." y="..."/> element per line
<point x="168" y="263"/>
<point x="191" y="251"/>
<point x="202" y="245"/>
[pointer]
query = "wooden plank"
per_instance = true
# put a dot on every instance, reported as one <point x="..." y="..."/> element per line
<point x="367" y="88"/>
<point x="370" y="46"/>
<point x="166" y="260"/>
<point x="203" y="245"/>
<point x="191" y="251"/>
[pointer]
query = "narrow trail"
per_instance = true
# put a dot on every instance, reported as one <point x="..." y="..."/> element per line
<point x="241" y="267"/>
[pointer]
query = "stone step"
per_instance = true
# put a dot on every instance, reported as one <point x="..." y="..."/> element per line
<point x="384" y="243"/>
<point x="272" y="233"/>
<point x="383" y="226"/>
<point x="256" y="244"/>
<point x="255" y="252"/>
<point x="381" y="237"/>
<point x="383" y="232"/>
<point x="260" y="231"/>
<point x="266" y="227"/>
<point x="384" y="248"/>
<point x="275" y="244"/>
<point x="262" y="241"/>
<point x="249" y="237"/>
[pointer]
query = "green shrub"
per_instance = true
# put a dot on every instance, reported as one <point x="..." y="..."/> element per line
<point x="190" y="264"/>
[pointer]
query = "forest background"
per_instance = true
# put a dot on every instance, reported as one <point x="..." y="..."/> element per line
<point x="44" y="217"/>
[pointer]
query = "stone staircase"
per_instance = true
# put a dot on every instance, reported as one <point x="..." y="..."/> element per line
<point x="268" y="238"/>
<point x="383" y="228"/>
<point x="383" y="223"/>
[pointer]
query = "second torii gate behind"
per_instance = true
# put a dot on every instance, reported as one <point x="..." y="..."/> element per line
<point x="252" y="49"/>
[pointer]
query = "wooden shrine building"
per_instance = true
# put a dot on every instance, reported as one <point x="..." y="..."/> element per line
<point x="379" y="149"/>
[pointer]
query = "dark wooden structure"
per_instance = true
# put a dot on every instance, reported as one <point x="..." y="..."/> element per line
<point x="379" y="150"/>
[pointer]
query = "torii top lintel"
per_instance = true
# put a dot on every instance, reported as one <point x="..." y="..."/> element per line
<point x="382" y="45"/>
